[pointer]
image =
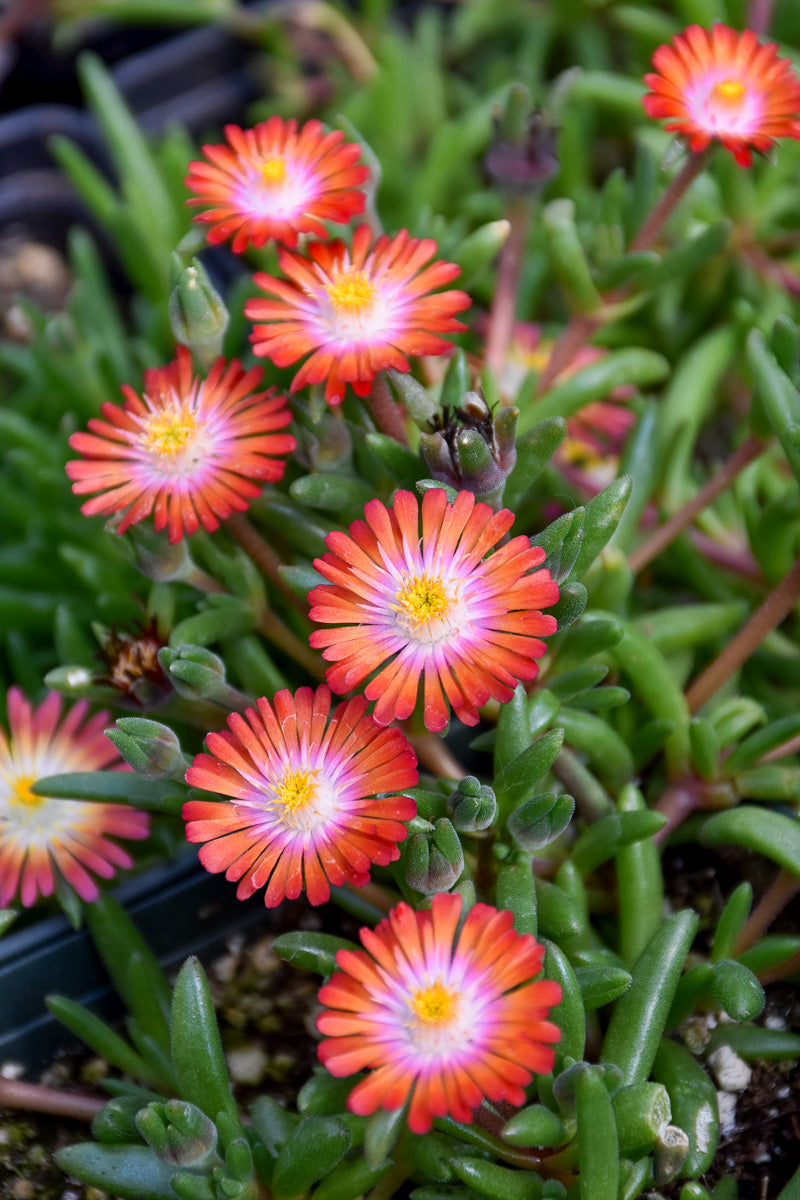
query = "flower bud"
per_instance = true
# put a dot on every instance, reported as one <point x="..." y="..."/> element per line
<point x="475" y="450"/>
<point x="152" y="749"/>
<point x="540" y="820"/>
<point x="195" y="672"/>
<point x="472" y="806"/>
<point x="326" y="445"/>
<point x="434" y="862"/>
<point x="522" y="155"/>
<point x="177" y="1132"/>
<point x="197" y="313"/>
<point x="152" y="554"/>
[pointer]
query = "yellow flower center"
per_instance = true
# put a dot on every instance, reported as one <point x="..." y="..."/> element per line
<point x="273" y="170"/>
<point x="435" y="1005"/>
<point x="296" y="788"/>
<point x="351" y="292"/>
<point x="168" y="433"/>
<point x="729" y="91"/>
<point x="423" y="599"/>
<point x="21" y="792"/>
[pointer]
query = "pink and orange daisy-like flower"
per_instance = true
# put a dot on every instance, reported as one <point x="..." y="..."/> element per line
<point x="447" y="1019"/>
<point x="449" y="607"/>
<point x="190" y="450"/>
<point x="314" y="796"/>
<point x="275" y="181"/>
<point x="355" y="312"/>
<point x="40" y="837"/>
<point x="721" y="85"/>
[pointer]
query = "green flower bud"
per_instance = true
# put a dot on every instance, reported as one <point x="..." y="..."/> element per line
<point x="195" y="672"/>
<point x="434" y="862"/>
<point x="152" y="554"/>
<point x="177" y="1132"/>
<point x="472" y="806"/>
<point x="152" y="749"/>
<point x="197" y="313"/>
<point x="540" y="820"/>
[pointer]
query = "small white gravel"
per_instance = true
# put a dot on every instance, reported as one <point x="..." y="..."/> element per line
<point x="731" y="1072"/>
<point x="247" y="1064"/>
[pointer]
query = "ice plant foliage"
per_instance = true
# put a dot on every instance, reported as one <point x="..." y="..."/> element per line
<point x="314" y="796"/>
<point x="275" y="181"/>
<point x="41" y="836"/>
<point x="721" y="85"/>
<point x="448" y="1019"/>
<point x="448" y="607"/>
<point x="355" y="312"/>
<point x="189" y="450"/>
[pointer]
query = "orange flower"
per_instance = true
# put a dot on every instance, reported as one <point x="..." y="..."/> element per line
<point x="275" y="182"/>
<point x="193" y="450"/>
<point x="442" y="1019"/>
<point x="451" y="607"/>
<point x="41" y="836"/>
<point x="725" y="86"/>
<point x="355" y="312"/>
<point x="308" y="786"/>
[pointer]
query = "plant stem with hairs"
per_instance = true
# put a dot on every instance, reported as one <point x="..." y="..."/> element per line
<point x="262" y="555"/>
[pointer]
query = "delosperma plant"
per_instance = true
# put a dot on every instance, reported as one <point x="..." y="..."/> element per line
<point x="449" y="578"/>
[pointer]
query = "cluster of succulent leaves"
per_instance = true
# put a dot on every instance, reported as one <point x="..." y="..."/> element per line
<point x="567" y="778"/>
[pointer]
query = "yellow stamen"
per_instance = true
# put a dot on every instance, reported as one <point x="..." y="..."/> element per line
<point x="423" y="599"/>
<point x="729" y="91"/>
<point x="351" y="292"/>
<point x="168" y="433"/>
<point x="435" y="1005"/>
<point x="296" y="788"/>
<point x="273" y="170"/>
<point x="21" y="792"/>
<point x="534" y="360"/>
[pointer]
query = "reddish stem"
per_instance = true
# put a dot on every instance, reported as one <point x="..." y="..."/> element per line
<point x="36" y="1098"/>
<point x="783" y="888"/>
<point x="582" y="327"/>
<point x="679" y="801"/>
<point x="263" y="556"/>
<point x="790" y="747"/>
<point x="504" y="306"/>
<point x="749" y="450"/>
<point x="674" y="193"/>
<point x="435" y="756"/>
<point x="775" y="609"/>
<point x="759" y="16"/>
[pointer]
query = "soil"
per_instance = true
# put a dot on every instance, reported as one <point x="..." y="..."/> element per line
<point x="266" y="1012"/>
